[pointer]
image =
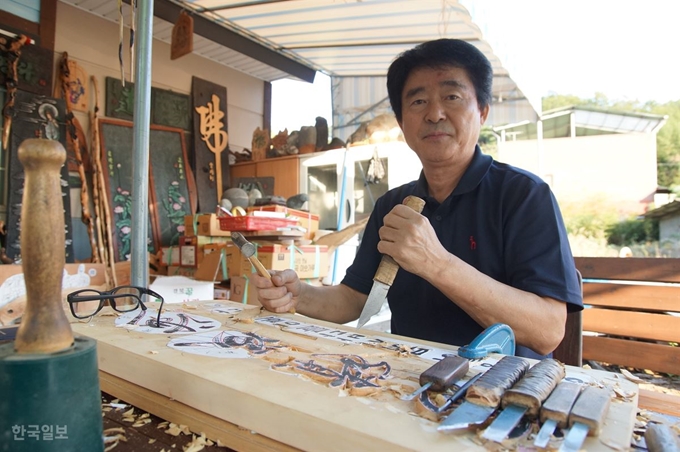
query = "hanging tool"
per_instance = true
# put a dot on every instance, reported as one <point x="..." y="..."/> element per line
<point x="525" y="398"/>
<point x="555" y="411"/>
<point x="441" y="375"/>
<point x="484" y="396"/>
<point x="586" y="417"/>
<point x="384" y="277"/>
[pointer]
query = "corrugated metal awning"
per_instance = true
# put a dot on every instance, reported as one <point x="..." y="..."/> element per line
<point x="342" y="38"/>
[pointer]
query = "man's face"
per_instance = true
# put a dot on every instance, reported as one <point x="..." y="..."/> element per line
<point x="441" y="119"/>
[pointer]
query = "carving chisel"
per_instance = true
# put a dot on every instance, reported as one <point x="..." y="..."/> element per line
<point x="460" y="392"/>
<point x="555" y="411"/>
<point x="441" y="375"/>
<point x="525" y="398"/>
<point x="384" y="276"/>
<point x="586" y="417"/>
<point x="484" y="396"/>
<point x="248" y="250"/>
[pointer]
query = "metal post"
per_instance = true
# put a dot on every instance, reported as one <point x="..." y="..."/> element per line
<point x="140" y="152"/>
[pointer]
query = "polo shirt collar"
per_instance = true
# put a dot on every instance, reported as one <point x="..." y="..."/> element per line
<point x="472" y="177"/>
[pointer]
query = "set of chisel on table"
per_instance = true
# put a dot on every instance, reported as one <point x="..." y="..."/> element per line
<point x="520" y="391"/>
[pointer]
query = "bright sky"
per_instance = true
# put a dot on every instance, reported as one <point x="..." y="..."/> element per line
<point x="621" y="48"/>
<point x="625" y="49"/>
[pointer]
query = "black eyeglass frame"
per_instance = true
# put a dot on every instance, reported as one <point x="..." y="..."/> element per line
<point x="110" y="297"/>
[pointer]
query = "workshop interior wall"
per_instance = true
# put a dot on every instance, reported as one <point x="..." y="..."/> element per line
<point x="92" y="42"/>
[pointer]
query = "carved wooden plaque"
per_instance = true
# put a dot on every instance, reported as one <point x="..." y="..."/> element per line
<point x="35" y="117"/>
<point x="34" y="70"/>
<point x="120" y="100"/>
<point x="210" y="104"/>
<point x="182" y="41"/>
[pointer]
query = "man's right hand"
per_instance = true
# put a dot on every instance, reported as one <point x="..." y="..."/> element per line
<point x="281" y="294"/>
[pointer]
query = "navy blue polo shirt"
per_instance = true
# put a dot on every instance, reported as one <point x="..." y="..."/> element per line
<point x="502" y="220"/>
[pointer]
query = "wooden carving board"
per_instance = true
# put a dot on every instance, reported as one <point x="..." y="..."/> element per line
<point x="298" y="411"/>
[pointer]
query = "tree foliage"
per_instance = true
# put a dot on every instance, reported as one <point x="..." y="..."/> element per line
<point x="667" y="139"/>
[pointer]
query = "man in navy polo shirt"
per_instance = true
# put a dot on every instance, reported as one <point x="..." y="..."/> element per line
<point x="489" y="246"/>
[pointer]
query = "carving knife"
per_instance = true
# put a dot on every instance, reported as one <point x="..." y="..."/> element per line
<point x="586" y="417"/>
<point x="484" y="396"/>
<point x="384" y="276"/>
<point x="525" y="398"/>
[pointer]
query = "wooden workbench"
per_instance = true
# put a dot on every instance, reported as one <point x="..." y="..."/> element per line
<point x="250" y="404"/>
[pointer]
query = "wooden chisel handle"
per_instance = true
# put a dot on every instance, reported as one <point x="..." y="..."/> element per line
<point x="488" y="390"/>
<point x="591" y="408"/>
<point x="558" y="406"/>
<point x="535" y="386"/>
<point x="388" y="268"/>
<point x="259" y="267"/>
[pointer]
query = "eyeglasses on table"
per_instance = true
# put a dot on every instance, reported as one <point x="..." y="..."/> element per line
<point x="121" y="299"/>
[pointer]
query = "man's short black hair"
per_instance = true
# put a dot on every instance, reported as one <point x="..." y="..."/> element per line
<point x="437" y="54"/>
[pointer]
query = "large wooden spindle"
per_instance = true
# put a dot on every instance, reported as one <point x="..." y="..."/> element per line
<point x="44" y="327"/>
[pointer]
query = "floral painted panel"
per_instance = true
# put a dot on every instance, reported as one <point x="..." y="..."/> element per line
<point x="170" y="185"/>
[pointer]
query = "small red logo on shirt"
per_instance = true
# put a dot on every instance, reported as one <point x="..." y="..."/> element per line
<point x="473" y="244"/>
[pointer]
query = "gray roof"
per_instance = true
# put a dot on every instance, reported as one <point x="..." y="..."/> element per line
<point x="670" y="209"/>
<point x="587" y="121"/>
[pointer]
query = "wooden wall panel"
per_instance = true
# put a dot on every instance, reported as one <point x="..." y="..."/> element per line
<point x="660" y="327"/>
<point x="640" y="355"/>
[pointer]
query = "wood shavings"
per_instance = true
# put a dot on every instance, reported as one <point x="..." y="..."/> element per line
<point x="404" y="350"/>
<point x="141" y="422"/>
<point x="197" y="443"/>
<point x="189" y="307"/>
<point x="278" y="358"/>
<point x="176" y="430"/>
<point x="152" y="440"/>
<point x="113" y="436"/>
<point x="247" y="315"/>
<point x="129" y="412"/>
<point x="400" y="389"/>
<point x="631" y="377"/>
<point x="163" y="424"/>
<point x="153" y="352"/>
<point x="621" y="393"/>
